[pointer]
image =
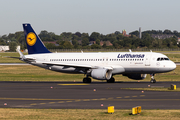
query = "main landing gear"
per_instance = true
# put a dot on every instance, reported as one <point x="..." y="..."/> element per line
<point x="111" y="80"/>
<point x="86" y="80"/>
<point x="152" y="78"/>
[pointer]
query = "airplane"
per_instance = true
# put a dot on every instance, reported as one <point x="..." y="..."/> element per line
<point x="100" y="66"/>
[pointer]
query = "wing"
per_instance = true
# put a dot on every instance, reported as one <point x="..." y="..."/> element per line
<point x="69" y="65"/>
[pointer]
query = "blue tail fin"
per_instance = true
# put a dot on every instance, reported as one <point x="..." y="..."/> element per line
<point x="33" y="42"/>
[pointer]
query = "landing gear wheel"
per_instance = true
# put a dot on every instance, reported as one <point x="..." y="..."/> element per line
<point x="152" y="78"/>
<point x="111" y="80"/>
<point x="153" y="81"/>
<point x="87" y="80"/>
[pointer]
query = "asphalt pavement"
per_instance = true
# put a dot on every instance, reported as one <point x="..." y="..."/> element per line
<point x="77" y="95"/>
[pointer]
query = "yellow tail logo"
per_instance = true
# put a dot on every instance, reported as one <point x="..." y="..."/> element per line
<point x="31" y="39"/>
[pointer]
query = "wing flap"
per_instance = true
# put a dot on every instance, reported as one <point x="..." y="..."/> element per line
<point x="67" y="64"/>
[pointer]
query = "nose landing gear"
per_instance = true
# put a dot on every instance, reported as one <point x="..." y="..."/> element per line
<point x="152" y="78"/>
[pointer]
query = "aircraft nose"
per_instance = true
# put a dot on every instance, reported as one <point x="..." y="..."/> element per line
<point x="172" y="66"/>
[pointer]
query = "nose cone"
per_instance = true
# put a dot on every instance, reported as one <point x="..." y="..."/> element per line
<point x="172" y="66"/>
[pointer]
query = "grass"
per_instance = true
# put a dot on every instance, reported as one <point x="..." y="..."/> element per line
<point x="33" y="73"/>
<point x="85" y="114"/>
<point x="4" y="59"/>
<point x="172" y="56"/>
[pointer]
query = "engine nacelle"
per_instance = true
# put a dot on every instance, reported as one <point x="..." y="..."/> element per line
<point x="101" y="74"/>
<point x="136" y="76"/>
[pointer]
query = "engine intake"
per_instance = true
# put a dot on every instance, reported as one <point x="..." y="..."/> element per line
<point x="101" y="74"/>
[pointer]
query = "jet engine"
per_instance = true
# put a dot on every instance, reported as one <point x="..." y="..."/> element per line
<point x="101" y="74"/>
<point x="136" y="76"/>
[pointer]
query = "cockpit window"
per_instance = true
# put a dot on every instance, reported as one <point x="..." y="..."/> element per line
<point x="166" y="58"/>
<point x="161" y="59"/>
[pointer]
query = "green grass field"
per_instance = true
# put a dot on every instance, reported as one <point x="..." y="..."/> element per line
<point x="86" y="114"/>
<point x="33" y="73"/>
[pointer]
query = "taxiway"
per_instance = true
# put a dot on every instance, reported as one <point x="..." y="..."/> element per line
<point x="77" y="95"/>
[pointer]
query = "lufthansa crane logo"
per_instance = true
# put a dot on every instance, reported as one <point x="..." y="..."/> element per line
<point x="31" y="39"/>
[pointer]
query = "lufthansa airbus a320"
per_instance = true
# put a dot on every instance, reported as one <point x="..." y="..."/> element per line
<point x="100" y="66"/>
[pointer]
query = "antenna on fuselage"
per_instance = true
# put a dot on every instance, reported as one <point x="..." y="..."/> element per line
<point x="130" y="50"/>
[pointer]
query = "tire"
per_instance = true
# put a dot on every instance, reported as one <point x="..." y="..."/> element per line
<point x="87" y="80"/>
<point x="111" y="80"/>
<point x="153" y="81"/>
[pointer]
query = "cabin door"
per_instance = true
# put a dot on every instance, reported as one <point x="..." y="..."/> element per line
<point x="148" y="60"/>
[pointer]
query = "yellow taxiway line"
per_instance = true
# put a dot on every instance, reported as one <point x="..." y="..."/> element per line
<point x="74" y="84"/>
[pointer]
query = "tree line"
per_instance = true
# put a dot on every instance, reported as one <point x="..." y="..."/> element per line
<point x="116" y="40"/>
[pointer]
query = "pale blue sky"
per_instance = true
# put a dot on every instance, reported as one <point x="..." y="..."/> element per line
<point x="103" y="16"/>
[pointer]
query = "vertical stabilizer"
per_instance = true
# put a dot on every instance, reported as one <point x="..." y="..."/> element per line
<point x="33" y="42"/>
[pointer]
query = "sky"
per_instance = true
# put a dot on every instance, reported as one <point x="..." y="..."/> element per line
<point x="87" y="16"/>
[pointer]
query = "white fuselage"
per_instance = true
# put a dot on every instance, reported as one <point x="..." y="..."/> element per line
<point x="119" y="62"/>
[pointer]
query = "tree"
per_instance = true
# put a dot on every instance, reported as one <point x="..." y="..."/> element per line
<point x="167" y="32"/>
<point x="146" y="36"/>
<point x="78" y="34"/>
<point x="85" y="41"/>
<point x="104" y="45"/>
<point x="50" y="46"/>
<point x="119" y="37"/>
<point x="94" y="36"/>
<point x="95" y="46"/>
<point x="136" y="33"/>
<point x="117" y="33"/>
<point x="48" y="36"/>
<point x="85" y="35"/>
<point x="12" y="46"/>
<point x="127" y="43"/>
<point x="98" y="42"/>
<point x="65" y="45"/>
<point x="75" y="43"/>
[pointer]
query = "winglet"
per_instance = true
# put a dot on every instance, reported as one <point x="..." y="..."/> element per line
<point x="22" y="57"/>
